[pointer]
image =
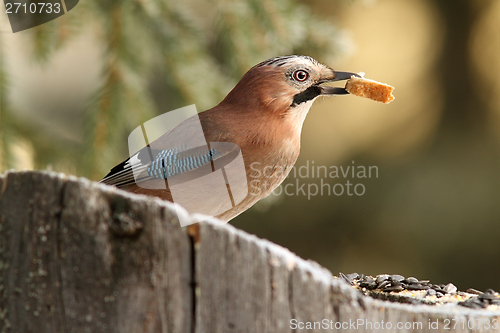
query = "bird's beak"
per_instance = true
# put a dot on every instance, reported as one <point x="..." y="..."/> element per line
<point x="337" y="76"/>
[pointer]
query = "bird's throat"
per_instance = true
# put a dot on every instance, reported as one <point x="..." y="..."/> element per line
<point x="297" y="114"/>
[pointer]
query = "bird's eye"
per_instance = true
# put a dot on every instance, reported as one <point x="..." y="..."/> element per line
<point x="300" y="75"/>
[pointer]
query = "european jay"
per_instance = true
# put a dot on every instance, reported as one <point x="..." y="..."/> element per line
<point x="260" y="120"/>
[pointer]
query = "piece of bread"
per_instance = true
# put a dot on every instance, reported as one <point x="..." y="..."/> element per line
<point x="374" y="90"/>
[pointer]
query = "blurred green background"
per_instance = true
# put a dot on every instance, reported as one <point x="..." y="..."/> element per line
<point x="73" y="89"/>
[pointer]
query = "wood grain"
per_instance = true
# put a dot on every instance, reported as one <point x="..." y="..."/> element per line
<point x="76" y="256"/>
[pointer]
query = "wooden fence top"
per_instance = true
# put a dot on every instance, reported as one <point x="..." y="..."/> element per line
<point x="77" y="256"/>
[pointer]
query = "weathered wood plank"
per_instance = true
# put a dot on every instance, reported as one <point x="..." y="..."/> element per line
<point x="233" y="269"/>
<point x="76" y="256"/>
<point x="29" y="252"/>
<point x="88" y="260"/>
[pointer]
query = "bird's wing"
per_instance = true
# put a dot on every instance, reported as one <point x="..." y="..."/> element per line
<point x="149" y="163"/>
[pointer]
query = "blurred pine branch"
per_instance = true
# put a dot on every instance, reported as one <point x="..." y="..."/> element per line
<point x="199" y="49"/>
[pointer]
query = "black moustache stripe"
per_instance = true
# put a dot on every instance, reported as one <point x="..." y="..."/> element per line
<point x="307" y="95"/>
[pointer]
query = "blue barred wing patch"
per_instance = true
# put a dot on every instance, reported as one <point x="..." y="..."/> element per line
<point x="169" y="163"/>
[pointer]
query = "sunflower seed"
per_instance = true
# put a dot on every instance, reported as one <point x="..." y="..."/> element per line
<point x="450" y="288"/>
<point x="474" y="291"/>
<point x="381" y="278"/>
<point x="394" y="288"/>
<point x="396" y="277"/>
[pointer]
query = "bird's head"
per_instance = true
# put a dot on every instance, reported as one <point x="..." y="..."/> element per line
<point x="283" y="89"/>
<point x="282" y="84"/>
